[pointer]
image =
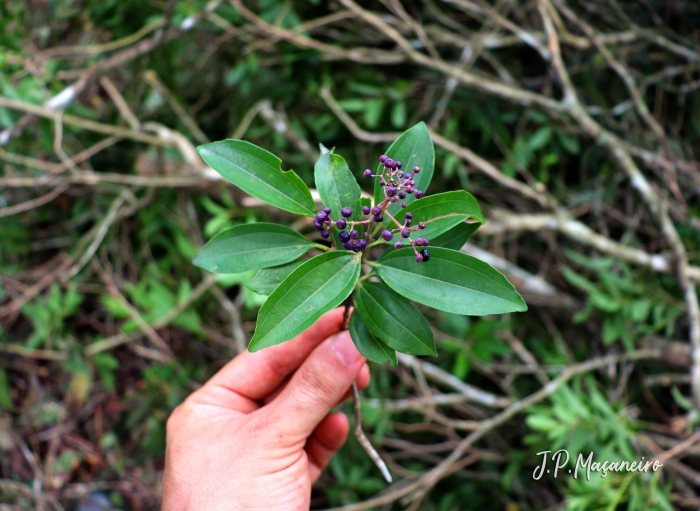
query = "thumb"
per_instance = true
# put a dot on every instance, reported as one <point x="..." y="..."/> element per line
<point x="316" y="387"/>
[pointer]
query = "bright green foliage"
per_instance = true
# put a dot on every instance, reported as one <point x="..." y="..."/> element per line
<point x="336" y="185"/>
<point x="393" y="320"/>
<point x="456" y="237"/>
<point x="442" y="211"/>
<point x="267" y="279"/>
<point x="259" y="173"/>
<point x="250" y="247"/>
<point x="310" y="291"/>
<point x="371" y="348"/>
<point x="413" y="148"/>
<point x="300" y="292"/>
<point x="455" y="282"/>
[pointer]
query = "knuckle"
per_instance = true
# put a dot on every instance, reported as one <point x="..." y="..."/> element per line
<point x="317" y="385"/>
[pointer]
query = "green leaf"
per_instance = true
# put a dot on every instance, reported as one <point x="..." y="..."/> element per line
<point x="267" y="279"/>
<point x="451" y="281"/>
<point x="314" y="288"/>
<point x="368" y="345"/>
<point x="393" y="320"/>
<point x="442" y="211"/>
<point x="413" y="148"/>
<point x="456" y="237"/>
<point x="250" y="247"/>
<point x="337" y="187"/>
<point x="259" y="173"/>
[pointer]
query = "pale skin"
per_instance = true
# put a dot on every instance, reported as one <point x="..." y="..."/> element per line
<point x="259" y="433"/>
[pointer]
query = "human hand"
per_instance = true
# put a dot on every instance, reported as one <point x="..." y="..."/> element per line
<point x="258" y="434"/>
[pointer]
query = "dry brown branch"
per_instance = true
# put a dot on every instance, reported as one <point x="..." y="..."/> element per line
<point x="429" y="479"/>
<point x="34" y="203"/>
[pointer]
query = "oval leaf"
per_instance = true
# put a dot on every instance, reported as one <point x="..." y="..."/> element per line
<point x="314" y="288"/>
<point x="368" y="345"/>
<point x="259" y="173"/>
<point x="451" y="281"/>
<point x="251" y="247"/>
<point x="413" y="147"/>
<point x="456" y="237"/>
<point x="442" y="211"/>
<point x="267" y="279"/>
<point x="337" y="187"/>
<point x="393" y="320"/>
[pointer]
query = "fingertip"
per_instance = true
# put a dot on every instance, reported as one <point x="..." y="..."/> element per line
<point x="364" y="377"/>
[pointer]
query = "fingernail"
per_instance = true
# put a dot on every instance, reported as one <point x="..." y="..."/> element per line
<point x="343" y="346"/>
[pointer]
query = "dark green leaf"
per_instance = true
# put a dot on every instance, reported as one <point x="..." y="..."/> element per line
<point x="413" y="148"/>
<point x="451" y="281"/>
<point x="393" y="320"/>
<point x="259" y="172"/>
<point x="310" y="291"/>
<point x="456" y="237"/>
<point x="267" y="279"/>
<point x="250" y="247"/>
<point x="371" y="348"/>
<point x="337" y="187"/>
<point x="442" y="211"/>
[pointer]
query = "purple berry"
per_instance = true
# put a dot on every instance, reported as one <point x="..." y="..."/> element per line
<point x="409" y="190"/>
<point x="426" y="254"/>
<point x="344" y="236"/>
<point x="393" y="199"/>
<point x="409" y="215"/>
<point x="318" y="225"/>
<point x="365" y="210"/>
<point x="368" y="173"/>
<point x="405" y="233"/>
<point x="389" y="163"/>
<point x="347" y="245"/>
<point x="382" y="183"/>
<point x="383" y="158"/>
<point x="408" y="222"/>
<point x="387" y="235"/>
<point x="325" y="234"/>
<point x="376" y="211"/>
<point x="419" y="258"/>
<point x="346" y="212"/>
<point x="421" y="225"/>
<point x="400" y="174"/>
<point x="327" y="210"/>
<point x="379" y="218"/>
<point x="416" y="170"/>
<point x="321" y="216"/>
<point x="426" y="242"/>
<point x="362" y="244"/>
<point x="341" y="223"/>
<point x="403" y="204"/>
<point x="402" y="194"/>
<point x="398" y="244"/>
<point x="419" y="194"/>
<point x="398" y="164"/>
<point x="354" y="234"/>
<point x="391" y="191"/>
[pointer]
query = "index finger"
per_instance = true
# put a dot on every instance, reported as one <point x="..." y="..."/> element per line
<point x="255" y="375"/>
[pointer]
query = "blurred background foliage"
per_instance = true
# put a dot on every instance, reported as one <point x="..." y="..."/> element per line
<point x="106" y="326"/>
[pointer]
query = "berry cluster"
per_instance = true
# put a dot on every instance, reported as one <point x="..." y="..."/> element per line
<point x="396" y="185"/>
